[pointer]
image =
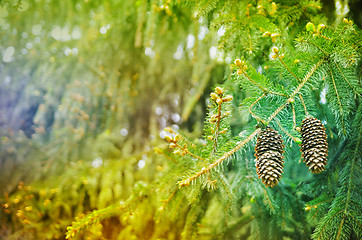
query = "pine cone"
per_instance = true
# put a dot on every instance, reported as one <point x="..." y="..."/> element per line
<point x="269" y="159"/>
<point x="314" y="144"/>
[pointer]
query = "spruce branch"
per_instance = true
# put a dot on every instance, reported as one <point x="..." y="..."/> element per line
<point x="204" y="170"/>
<point x="315" y="206"/>
<point x="174" y="142"/>
<point x="350" y="183"/>
<point x="325" y="37"/>
<point x="314" y="45"/>
<point x="242" y="70"/>
<point x="206" y="8"/>
<point x="251" y="111"/>
<point x="97" y="215"/>
<point x="165" y="202"/>
<point x="345" y="78"/>
<point x="185" y="150"/>
<point x="269" y="201"/>
<point x="304" y="106"/>
<point x="339" y="102"/>
<point x="295" y="139"/>
<point x="280" y="58"/>
<point x="217" y="97"/>
<point x="162" y="152"/>
<point x="186" y="182"/>
<point x="294" y="116"/>
<point x="306" y="78"/>
<point x="345" y="210"/>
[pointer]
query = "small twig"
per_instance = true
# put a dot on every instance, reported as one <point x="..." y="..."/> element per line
<point x="255" y="83"/>
<point x="165" y="202"/>
<point x="345" y="78"/>
<point x="186" y="151"/>
<point x="252" y="113"/>
<point x="339" y="100"/>
<point x="264" y="90"/>
<point x="315" y="46"/>
<point x="294" y="117"/>
<point x="161" y="152"/>
<point x="217" y="127"/>
<point x="306" y="78"/>
<point x="276" y="112"/>
<point x="304" y="106"/>
<point x="327" y="38"/>
<point x="174" y="143"/>
<point x="286" y="132"/>
<point x="276" y="93"/>
<point x="289" y="70"/>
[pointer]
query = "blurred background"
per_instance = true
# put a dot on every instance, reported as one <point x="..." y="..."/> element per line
<point x="86" y="89"/>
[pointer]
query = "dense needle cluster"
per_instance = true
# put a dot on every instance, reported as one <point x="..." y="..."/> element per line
<point x="314" y="144"/>
<point x="269" y="159"/>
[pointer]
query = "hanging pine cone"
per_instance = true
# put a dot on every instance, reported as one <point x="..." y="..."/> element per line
<point x="314" y="144"/>
<point x="269" y="159"/>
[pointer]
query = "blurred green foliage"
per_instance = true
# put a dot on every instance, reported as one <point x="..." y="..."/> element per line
<point x="86" y="87"/>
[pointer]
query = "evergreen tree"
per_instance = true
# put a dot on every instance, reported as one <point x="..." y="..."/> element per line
<point x="87" y="88"/>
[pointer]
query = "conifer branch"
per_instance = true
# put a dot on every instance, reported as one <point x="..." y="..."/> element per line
<point x="185" y="150"/>
<point x="345" y="209"/>
<point x="186" y="182"/>
<point x="308" y="207"/>
<point x="177" y="135"/>
<point x="174" y="143"/>
<point x="251" y="80"/>
<point x="204" y="170"/>
<point x="209" y="6"/>
<point x="79" y="224"/>
<point x="268" y="200"/>
<point x="327" y="38"/>
<point x="161" y="152"/>
<point x="276" y="112"/>
<point x="280" y="58"/>
<point x="242" y="67"/>
<point x="219" y="99"/>
<point x="339" y="101"/>
<point x="286" y="132"/>
<point x="251" y="107"/>
<point x="217" y="127"/>
<point x="345" y="78"/>
<point x="304" y="106"/>
<point x="294" y="116"/>
<point x="306" y="78"/>
<point x="315" y="45"/>
<point x="350" y="182"/>
<point x="165" y="202"/>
